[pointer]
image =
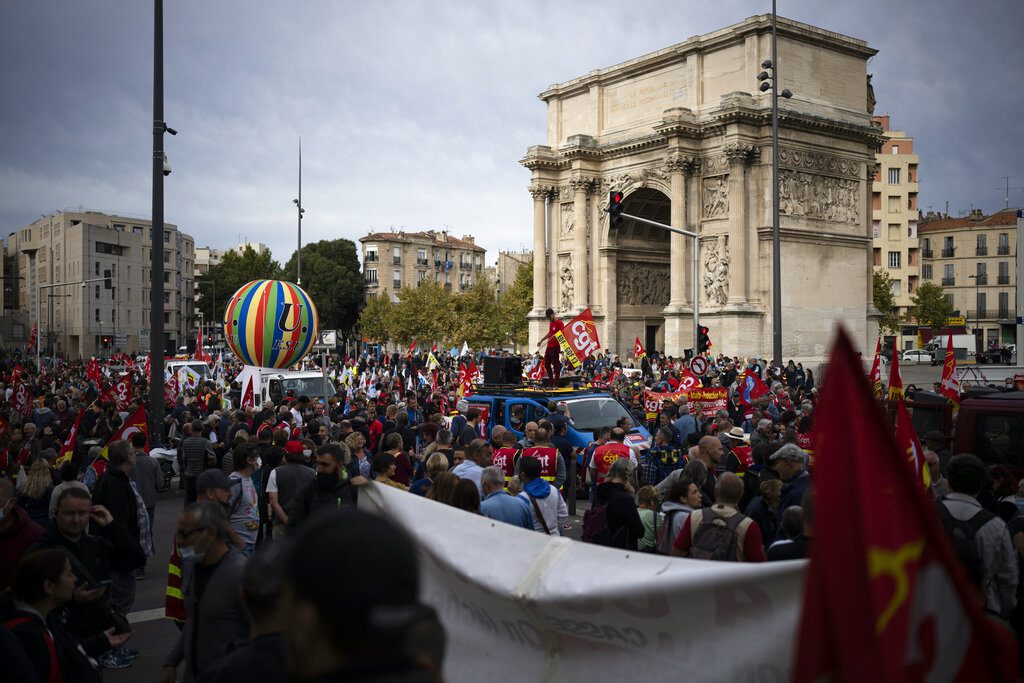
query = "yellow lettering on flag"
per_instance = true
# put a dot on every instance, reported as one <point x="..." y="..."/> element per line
<point x="882" y="562"/>
<point x="567" y="350"/>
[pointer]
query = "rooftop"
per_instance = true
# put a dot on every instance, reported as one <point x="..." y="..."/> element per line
<point x="440" y="239"/>
<point x="976" y="219"/>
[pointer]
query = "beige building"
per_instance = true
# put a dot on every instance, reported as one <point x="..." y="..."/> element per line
<point x="207" y="257"/>
<point x="685" y="134"/>
<point x="392" y="260"/>
<point x="509" y="263"/>
<point x="974" y="259"/>
<point x="894" y="222"/>
<point x="69" y="248"/>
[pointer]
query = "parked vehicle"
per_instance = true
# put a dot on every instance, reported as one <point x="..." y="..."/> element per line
<point x="964" y="348"/>
<point x="276" y="384"/>
<point x="915" y="357"/>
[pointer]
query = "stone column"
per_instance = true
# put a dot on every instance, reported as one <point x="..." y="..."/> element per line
<point x="540" y="296"/>
<point x="678" y="333"/>
<point x="739" y="288"/>
<point x="581" y="187"/>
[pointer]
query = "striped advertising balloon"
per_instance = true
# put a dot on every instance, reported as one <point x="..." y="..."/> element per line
<point x="270" y="323"/>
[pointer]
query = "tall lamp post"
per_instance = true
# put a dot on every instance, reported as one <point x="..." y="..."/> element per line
<point x="300" y="211"/>
<point x="769" y="78"/>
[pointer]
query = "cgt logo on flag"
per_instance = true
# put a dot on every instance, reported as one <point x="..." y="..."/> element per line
<point x="578" y="340"/>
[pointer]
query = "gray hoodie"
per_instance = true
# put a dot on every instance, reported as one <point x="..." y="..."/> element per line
<point x="673" y="524"/>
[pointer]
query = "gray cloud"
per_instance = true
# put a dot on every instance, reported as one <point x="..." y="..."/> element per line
<point x="415" y="114"/>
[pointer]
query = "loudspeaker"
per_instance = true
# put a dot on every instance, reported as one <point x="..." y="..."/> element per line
<point x="503" y="370"/>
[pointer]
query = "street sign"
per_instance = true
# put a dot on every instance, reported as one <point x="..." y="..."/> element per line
<point x="956" y="322"/>
<point x="327" y="338"/>
<point x="699" y="366"/>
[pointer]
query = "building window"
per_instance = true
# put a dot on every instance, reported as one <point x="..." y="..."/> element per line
<point x="371" y="276"/>
<point x="895" y="288"/>
<point x="167" y="236"/>
<point x="982" y="245"/>
<point x="371" y="253"/>
<point x="948" y="250"/>
<point x="895" y="150"/>
<point x="912" y="229"/>
<point x="396" y="279"/>
<point x="948" y="279"/>
<point x="97" y="292"/>
<point x="876" y="229"/>
<point x="926" y="271"/>
<point x="894" y="204"/>
<point x="894" y="232"/>
<point x="97" y="315"/>
<point x="981" y="312"/>
<point x="1004" y="273"/>
<point x="421" y="257"/>
<point x="396" y="255"/>
<point x="949" y="299"/>
<point x="113" y="315"/>
<point x="1004" y="244"/>
<point x="136" y="229"/>
<point x="97" y="267"/>
<point x="1004" y="305"/>
<point x="894" y="259"/>
<point x="894" y="176"/>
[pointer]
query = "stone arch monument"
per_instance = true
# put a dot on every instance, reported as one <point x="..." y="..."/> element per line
<point x="680" y="134"/>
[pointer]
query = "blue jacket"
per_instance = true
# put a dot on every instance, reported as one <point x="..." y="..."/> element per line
<point x="500" y="506"/>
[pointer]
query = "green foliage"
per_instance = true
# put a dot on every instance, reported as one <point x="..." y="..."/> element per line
<point x="331" y="277"/>
<point x="225" y="278"/>
<point x="931" y="308"/>
<point x="425" y="313"/>
<point x="375" y="318"/>
<point x="891" y="321"/>
<point x="478" y="317"/>
<point x="518" y="302"/>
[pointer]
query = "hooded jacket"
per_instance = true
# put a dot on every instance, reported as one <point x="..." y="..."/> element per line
<point x="622" y="517"/>
<point x="550" y="504"/>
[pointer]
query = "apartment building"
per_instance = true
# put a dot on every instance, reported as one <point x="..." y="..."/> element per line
<point x="63" y="260"/>
<point x="509" y="263"/>
<point x="974" y="259"/>
<point x="894" y="222"/>
<point x="392" y="260"/>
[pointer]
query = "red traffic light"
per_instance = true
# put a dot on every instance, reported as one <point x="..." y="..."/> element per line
<point x="615" y="209"/>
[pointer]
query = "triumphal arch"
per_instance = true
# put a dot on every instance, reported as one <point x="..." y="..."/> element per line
<point x="685" y="133"/>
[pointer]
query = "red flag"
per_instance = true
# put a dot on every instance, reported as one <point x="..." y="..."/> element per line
<point x="32" y="338"/>
<point x="475" y="377"/>
<point x="895" y="380"/>
<point x="750" y="387"/>
<point x="68" y="449"/>
<point x="885" y="597"/>
<point x="638" y="349"/>
<point x="146" y="370"/>
<point x="92" y="372"/>
<point x="136" y="422"/>
<point x="120" y="392"/>
<point x="578" y="339"/>
<point x="876" y="371"/>
<point x="199" y="354"/>
<point x="171" y="389"/>
<point x="950" y="385"/>
<point x="248" y="396"/>
<point x="21" y="399"/>
<point x="908" y="444"/>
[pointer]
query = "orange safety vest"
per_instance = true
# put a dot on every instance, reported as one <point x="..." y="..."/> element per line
<point x="174" y="602"/>
<point x="504" y="459"/>
<point x="548" y="461"/>
<point x="604" y="456"/>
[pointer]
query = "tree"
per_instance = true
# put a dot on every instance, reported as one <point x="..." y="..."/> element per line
<point x="891" y="320"/>
<point x="375" y="318"/>
<point x="931" y="307"/>
<point x="517" y="303"/>
<point x="331" y="277"/>
<point x="424" y="313"/>
<point x="224" y="279"/>
<point x="478" y="317"/>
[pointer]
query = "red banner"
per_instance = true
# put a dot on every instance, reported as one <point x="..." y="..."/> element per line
<point x="120" y="393"/>
<point x="578" y="338"/>
<point x="653" y="401"/>
<point x="707" y="401"/>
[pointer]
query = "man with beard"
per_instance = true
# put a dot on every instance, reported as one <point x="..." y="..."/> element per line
<point x="331" y="488"/>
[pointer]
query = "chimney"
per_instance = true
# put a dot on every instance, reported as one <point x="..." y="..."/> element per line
<point x="468" y="238"/>
<point x="976" y="215"/>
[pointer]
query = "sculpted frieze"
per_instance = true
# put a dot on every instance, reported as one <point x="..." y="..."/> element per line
<point x="642" y="284"/>
<point x="565" y="274"/>
<point x="568" y="221"/>
<point x="799" y="159"/>
<point x="819" y="197"/>
<point x="716" y="270"/>
<point x="715" y="196"/>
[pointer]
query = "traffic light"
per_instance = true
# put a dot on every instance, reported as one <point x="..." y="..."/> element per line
<point x="107" y="280"/>
<point x="703" y="340"/>
<point x="615" y="209"/>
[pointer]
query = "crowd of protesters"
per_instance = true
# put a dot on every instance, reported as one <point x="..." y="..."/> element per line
<point x="253" y="543"/>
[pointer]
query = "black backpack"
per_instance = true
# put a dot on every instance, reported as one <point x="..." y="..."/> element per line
<point x="595" y="527"/>
<point x="716" y="538"/>
<point x="963" y="535"/>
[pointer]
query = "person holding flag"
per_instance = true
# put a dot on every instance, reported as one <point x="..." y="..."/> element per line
<point x="552" y="354"/>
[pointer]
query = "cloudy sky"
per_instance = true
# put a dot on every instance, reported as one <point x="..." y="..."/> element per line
<point x="416" y="114"/>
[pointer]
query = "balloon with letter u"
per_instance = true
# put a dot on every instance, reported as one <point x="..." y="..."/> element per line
<point x="270" y="323"/>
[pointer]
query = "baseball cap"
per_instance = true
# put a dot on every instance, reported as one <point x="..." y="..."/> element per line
<point x="212" y="479"/>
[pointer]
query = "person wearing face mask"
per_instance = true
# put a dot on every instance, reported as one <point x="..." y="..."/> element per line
<point x="331" y="488"/>
<point x="243" y="505"/>
<point x="212" y="570"/>
<point x="17" y="532"/>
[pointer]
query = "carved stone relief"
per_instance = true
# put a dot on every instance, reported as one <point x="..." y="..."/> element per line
<point x="820" y="197"/>
<point x="828" y="164"/>
<point x="565" y="273"/>
<point x="642" y="284"/>
<point x="630" y="179"/>
<point x="568" y="221"/>
<point x="716" y="270"/>
<point x="713" y="165"/>
<point x="716" y="196"/>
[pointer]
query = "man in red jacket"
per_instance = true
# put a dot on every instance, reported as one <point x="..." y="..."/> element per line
<point x="17" y="533"/>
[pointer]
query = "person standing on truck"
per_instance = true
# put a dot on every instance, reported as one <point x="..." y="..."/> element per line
<point x="552" y="355"/>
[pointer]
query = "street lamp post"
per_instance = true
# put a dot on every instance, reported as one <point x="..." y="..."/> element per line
<point x="769" y="81"/>
<point x="300" y="211"/>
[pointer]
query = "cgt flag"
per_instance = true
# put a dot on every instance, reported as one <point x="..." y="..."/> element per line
<point x="638" y="349"/>
<point x="885" y="598"/>
<point x="68" y="448"/>
<point x="950" y="385"/>
<point x="876" y="371"/>
<point x="895" y="379"/>
<point x="136" y="422"/>
<point x="578" y="338"/>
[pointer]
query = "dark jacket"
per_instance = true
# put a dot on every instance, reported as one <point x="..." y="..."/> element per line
<point x="624" y="521"/>
<point x="314" y="496"/>
<point x="14" y="541"/>
<point x="72" y="660"/>
<point x="793" y="492"/>
<point x="759" y="511"/>
<point x="114" y="492"/>
<point x="261" y="659"/>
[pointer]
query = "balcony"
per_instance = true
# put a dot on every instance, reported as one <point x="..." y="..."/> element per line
<point x="371" y="257"/>
<point x="1004" y="314"/>
<point x="1002" y="279"/>
<point x="1003" y="250"/>
<point x="926" y="253"/>
<point x="371" y="284"/>
<point x="982" y="251"/>
<point x="980" y="279"/>
<point x="949" y="252"/>
<point x="479" y="267"/>
<point x="422" y="262"/>
<point x="949" y="282"/>
<point x="397" y="260"/>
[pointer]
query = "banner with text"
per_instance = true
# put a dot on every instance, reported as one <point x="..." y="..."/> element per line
<point x="709" y="400"/>
<point x="524" y="606"/>
<point x="578" y="339"/>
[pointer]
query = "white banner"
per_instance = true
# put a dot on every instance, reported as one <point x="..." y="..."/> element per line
<point x="518" y="605"/>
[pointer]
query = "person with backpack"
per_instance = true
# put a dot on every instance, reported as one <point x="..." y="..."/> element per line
<point x="613" y="520"/>
<point x="979" y="537"/>
<point x="721" y="532"/>
<point x="683" y="498"/>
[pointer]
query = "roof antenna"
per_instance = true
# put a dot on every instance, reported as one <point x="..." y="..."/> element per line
<point x="1007" y="189"/>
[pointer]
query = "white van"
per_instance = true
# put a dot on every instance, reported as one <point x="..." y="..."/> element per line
<point x="276" y="384"/>
<point x="201" y="368"/>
